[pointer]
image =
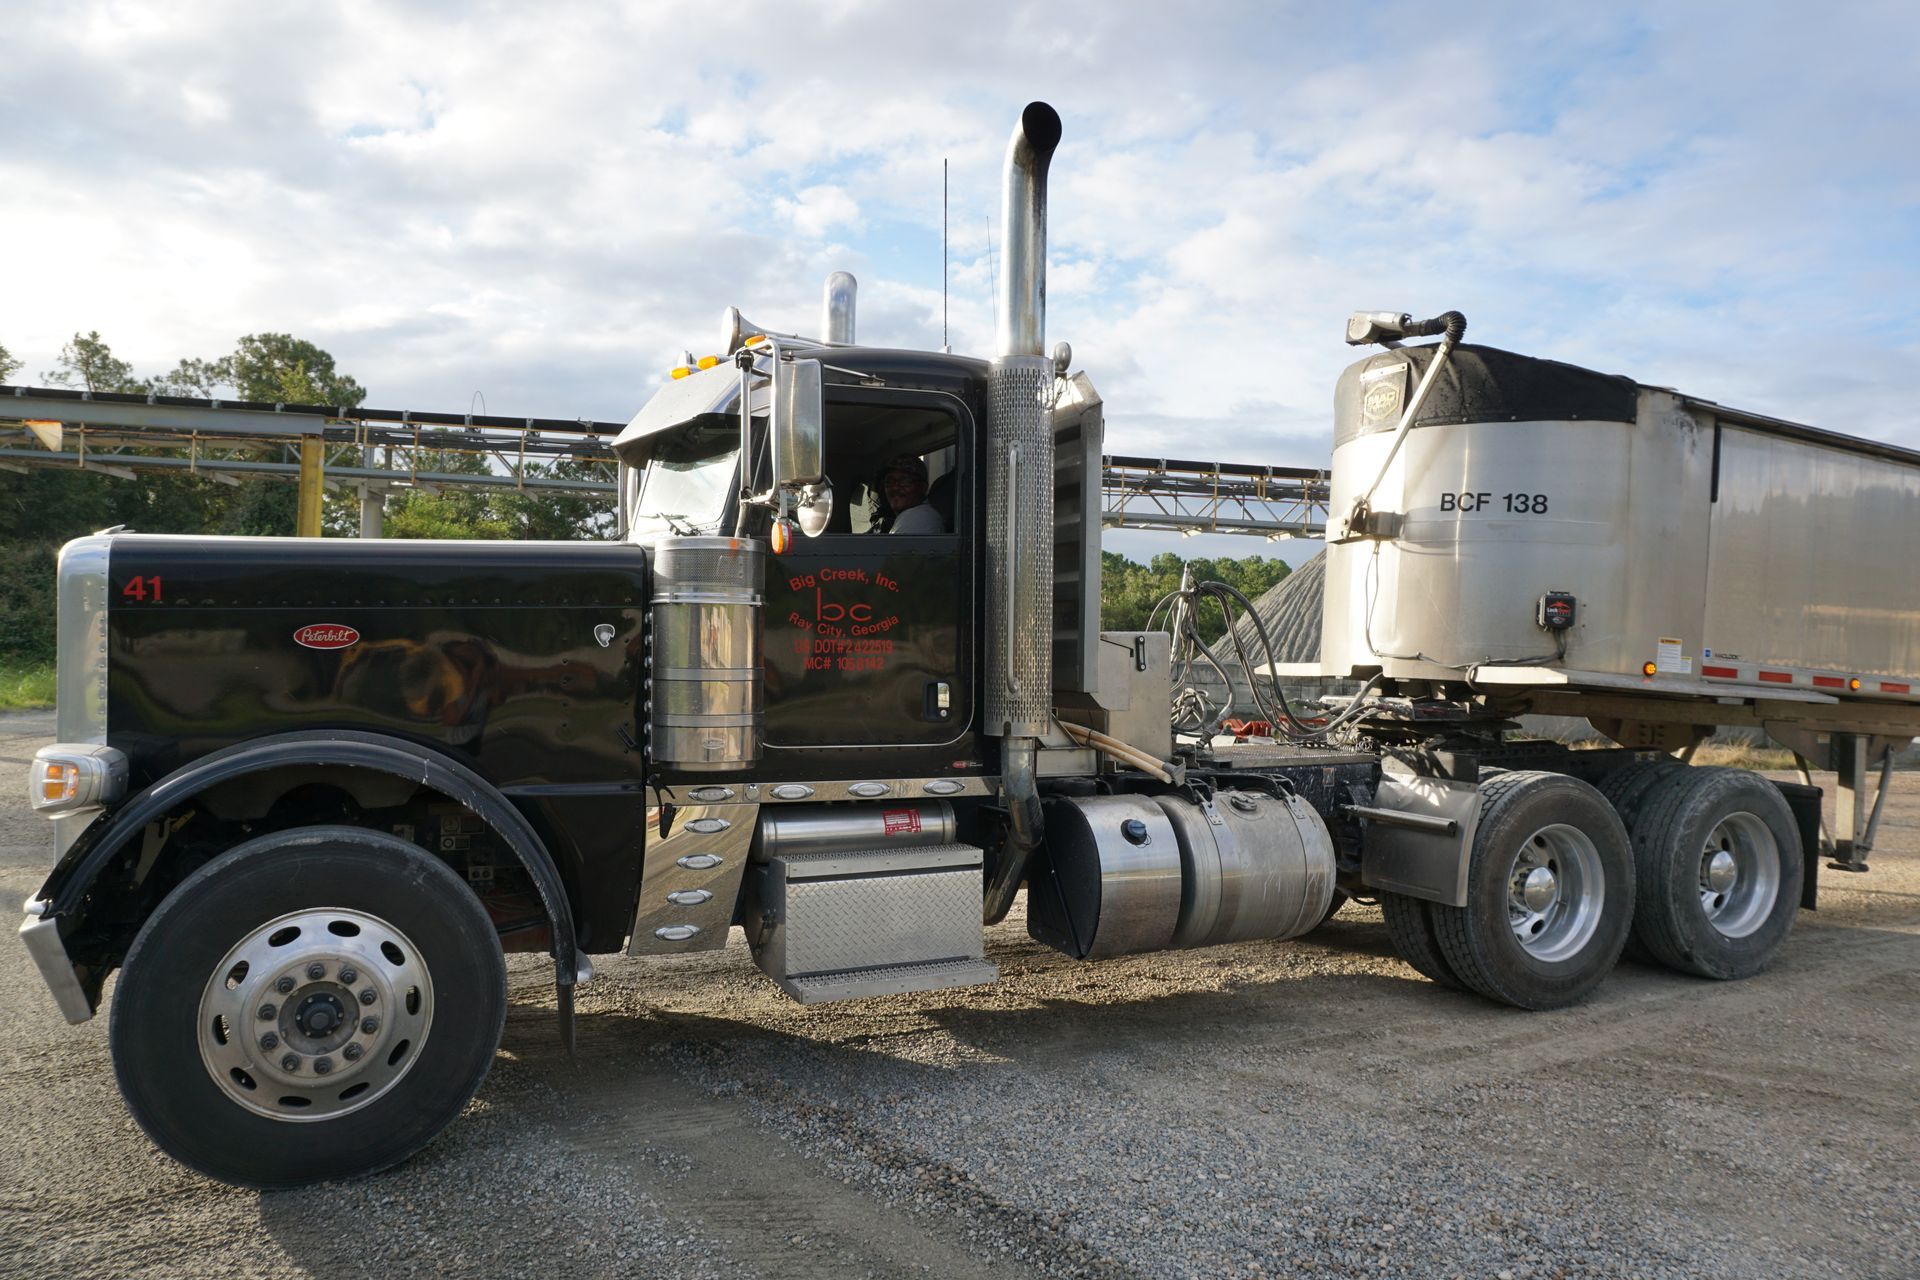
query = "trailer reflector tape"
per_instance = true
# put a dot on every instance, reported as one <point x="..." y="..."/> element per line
<point x="1724" y="673"/>
<point x="1891" y="686"/>
<point x="1829" y="682"/>
<point x="1777" y="677"/>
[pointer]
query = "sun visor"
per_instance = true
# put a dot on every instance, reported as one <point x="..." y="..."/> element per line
<point x="707" y="393"/>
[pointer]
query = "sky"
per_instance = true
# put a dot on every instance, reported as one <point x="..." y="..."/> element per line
<point x="539" y="208"/>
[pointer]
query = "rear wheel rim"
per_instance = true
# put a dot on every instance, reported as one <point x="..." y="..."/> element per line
<point x="315" y="1014"/>
<point x="1739" y="875"/>
<point x="1556" y="887"/>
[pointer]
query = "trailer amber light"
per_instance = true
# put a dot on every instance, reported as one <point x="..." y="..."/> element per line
<point x="1854" y="684"/>
<point x="1648" y="668"/>
<point x="58" y="782"/>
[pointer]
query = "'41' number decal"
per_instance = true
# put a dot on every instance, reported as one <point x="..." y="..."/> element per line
<point x="145" y="590"/>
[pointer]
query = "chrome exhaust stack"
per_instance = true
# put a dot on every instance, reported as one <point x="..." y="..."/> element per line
<point x="836" y="309"/>
<point x="1019" y="667"/>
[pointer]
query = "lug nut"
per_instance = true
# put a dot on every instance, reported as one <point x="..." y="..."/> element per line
<point x="352" y="1052"/>
<point x="284" y="985"/>
<point x="269" y="1041"/>
<point x="349" y="975"/>
<point x="268" y="1012"/>
<point x="290" y="1063"/>
<point x="367" y="996"/>
<point x="316" y="970"/>
<point x="369" y="1025"/>
<point x="322" y="1065"/>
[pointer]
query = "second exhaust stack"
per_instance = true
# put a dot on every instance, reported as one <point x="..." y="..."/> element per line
<point x="1020" y="448"/>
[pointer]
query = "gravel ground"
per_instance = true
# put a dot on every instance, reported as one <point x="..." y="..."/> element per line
<point x="1311" y="1108"/>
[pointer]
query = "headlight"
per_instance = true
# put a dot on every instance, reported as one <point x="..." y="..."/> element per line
<point x="68" y="776"/>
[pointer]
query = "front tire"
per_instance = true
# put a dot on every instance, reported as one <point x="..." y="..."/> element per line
<point x="313" y="1004"/>
<point x="1549" y="893"/>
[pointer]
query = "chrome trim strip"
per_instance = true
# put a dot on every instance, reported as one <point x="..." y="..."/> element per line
<point x="80" y="685"/>
<point x="41" y="934"/>
<point x="757" y="793"/>
<point x="80" y="674"/>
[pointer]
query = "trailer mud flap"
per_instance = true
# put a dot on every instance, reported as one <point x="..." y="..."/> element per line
<point x="1416" y="837"/>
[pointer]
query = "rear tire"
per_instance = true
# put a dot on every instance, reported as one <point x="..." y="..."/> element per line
<point x="1411" y="930"/>
<point x="322" y="945"/>
<point x="1626" y="790"/>
<point x="1720" y="866"/>
<point x="1549" y="893"/>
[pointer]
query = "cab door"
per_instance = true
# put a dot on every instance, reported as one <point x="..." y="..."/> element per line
<point x="866" y="635"/>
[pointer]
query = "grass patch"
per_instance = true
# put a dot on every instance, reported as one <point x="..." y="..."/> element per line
<point x="1743" y="755"/>
<point x="25" y="684"/>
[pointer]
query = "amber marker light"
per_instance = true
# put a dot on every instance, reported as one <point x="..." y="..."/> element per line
<point x="680" y="371"/>
<point x="58" y="782"/>
<point x="1648" y="668"/>
<point x="707" y="362"/>
<point x="1854" y="684"/>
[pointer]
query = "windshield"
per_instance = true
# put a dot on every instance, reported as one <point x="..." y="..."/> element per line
<point x="688" y="482"/>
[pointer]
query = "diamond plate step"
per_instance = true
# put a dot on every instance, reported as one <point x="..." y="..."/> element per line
<point x="890" y="980"/>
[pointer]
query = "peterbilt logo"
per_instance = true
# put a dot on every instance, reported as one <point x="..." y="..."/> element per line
<point x="326" y="635"/>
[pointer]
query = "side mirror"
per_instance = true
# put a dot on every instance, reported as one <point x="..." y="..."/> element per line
<point x="798" y="417"/>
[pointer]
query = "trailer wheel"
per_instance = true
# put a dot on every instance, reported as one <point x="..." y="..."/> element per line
<point x="1626" y="789"/>
<point x="312" y="1004"/>
<point x="1411" y="930"/>
<point x="1719" y="871"/>
<point x="1549" y="893"/>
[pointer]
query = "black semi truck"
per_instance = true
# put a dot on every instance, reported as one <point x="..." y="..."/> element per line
<point x="843" y="687"/>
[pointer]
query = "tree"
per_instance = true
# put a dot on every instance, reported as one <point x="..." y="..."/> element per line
<point x="1129" y="590"/>
<point x="269" y="368"/>
<point x="7" y="364"/>
<point x="88" y="363"/>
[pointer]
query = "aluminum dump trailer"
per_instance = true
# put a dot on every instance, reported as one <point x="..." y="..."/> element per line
<point x="1698" y="550"/>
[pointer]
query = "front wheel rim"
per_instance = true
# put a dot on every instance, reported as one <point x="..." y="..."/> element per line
<point x="315" y="1014"/>
<point x="1556" y="887"/>
<point x="1739" y="875"/>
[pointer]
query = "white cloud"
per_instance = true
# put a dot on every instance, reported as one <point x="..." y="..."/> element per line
<point x="548" y="204"/>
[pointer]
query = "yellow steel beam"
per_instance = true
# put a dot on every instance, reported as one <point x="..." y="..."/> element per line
<point x="312" y="488"/>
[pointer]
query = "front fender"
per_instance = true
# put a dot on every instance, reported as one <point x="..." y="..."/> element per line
<point x="108" y="835"/>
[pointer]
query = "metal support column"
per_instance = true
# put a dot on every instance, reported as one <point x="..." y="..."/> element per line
<point x="1849" y="799"/>
<point x="312" y="487"/>
<point x="373" y="499"/>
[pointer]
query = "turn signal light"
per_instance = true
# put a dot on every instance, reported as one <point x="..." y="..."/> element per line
<point x="58" y="782"/>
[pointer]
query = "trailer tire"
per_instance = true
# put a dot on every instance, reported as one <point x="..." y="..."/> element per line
<point x="1626" y="789"/>
<point x="313" y="1004"/>
<point x="1410" y="929"/>
<point x="1549" y="893"/>
<point x="1719" y="862"/>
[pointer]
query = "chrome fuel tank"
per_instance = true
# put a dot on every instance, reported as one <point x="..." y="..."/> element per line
<point x="1132" y="873"/>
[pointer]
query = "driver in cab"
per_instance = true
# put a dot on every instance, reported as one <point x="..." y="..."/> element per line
<point x="904" y="487"/>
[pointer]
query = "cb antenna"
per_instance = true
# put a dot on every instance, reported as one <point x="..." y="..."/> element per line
<point x="946" y="343"/>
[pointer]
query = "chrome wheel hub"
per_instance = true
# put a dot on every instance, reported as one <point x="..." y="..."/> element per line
<point x="315" y="1014"/>
<point x="1555" y="889"/>
<point x="1739" y="875"/>
<point x="1539" y="889"/>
